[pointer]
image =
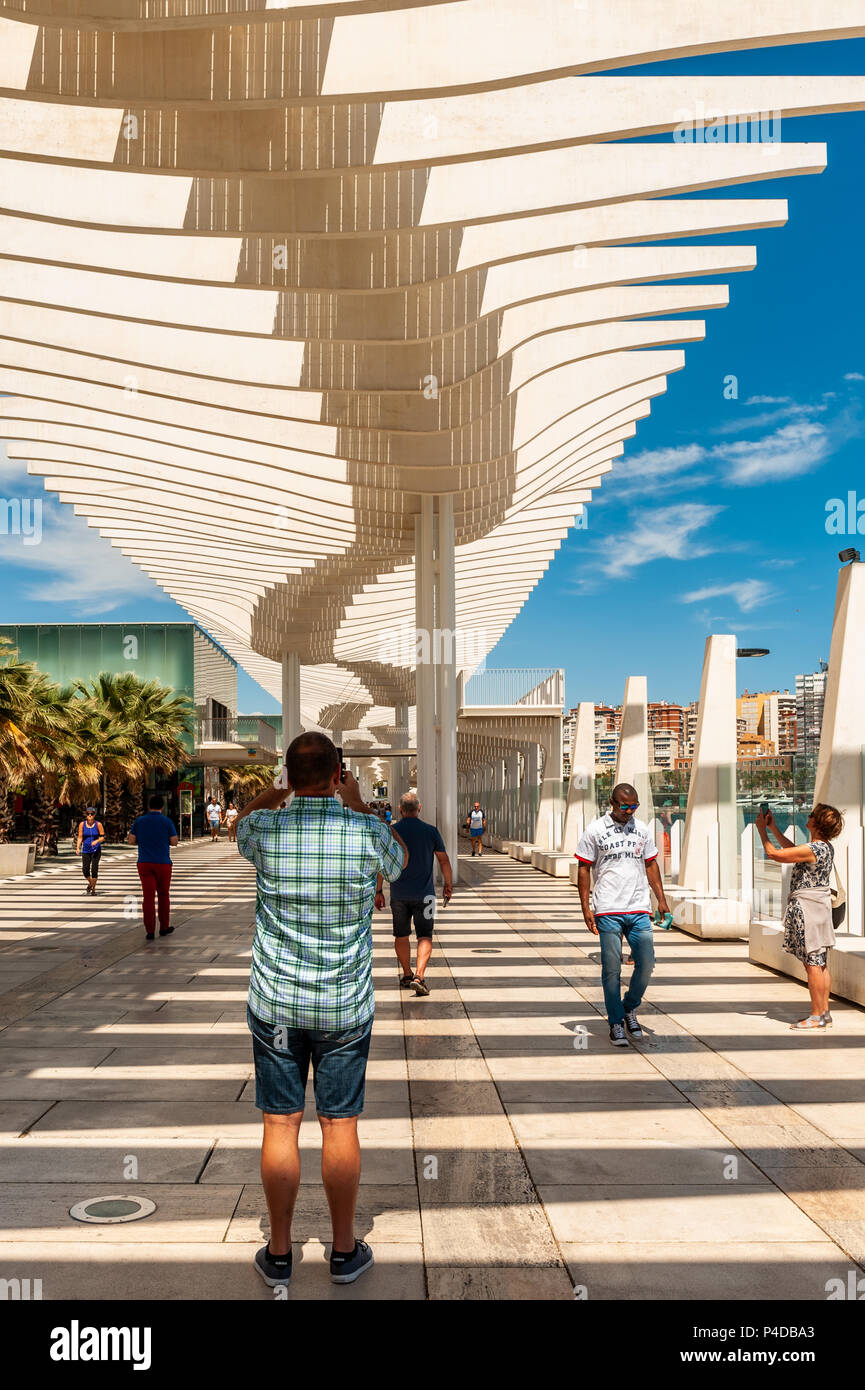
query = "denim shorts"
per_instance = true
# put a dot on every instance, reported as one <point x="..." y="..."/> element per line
<point x="282" y="1056"/>
<point x="405" y="911"/>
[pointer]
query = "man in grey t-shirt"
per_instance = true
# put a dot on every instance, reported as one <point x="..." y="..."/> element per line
<point x="618" y="850"/>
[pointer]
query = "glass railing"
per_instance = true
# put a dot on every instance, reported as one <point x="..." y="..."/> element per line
<point x="516" y="686"/>
<point x="236" y="729"/>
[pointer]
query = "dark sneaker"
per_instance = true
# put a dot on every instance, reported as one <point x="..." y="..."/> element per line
<point x="419" y="986"/>
<point x="405" y="981"/>
<point x="632" y="1023"/>
<point x="166" y="931"/>
<point x="149" y="936"/>
<point x="617" y="1035"/>
<point x="270" y="1272"/>
<point x="344" y="1269"/>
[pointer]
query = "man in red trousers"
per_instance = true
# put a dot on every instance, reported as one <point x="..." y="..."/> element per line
<point x="154" y="833"/>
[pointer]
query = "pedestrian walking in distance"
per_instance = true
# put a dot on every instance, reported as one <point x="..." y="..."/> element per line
<point x="618" y="850"/>
<point x="476" y="822"/>
<point x="91" y="837"/>
<point x="412" y="895"/>
<point x="310" y="987"/>
<point x="230" y="819"/>
<point x="154" y="834"/>
<point x="213" y="816"/>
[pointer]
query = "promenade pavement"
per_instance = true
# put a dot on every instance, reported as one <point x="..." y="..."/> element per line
<point x="508" y="1150"/>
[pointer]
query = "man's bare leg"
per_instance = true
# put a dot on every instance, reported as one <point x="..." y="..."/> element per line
<point x="280" y="1175"/>
<point x="424" y="951"/>
<point x="340" y="1173"/>
<point x="402" y="946"/>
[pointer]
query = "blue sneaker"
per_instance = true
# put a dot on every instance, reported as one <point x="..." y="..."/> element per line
<point x="344" y="1269"/>
<point x="271" y="1273"/>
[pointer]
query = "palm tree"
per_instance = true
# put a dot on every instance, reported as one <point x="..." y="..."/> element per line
<point x="130" y="727"/>
<point x="34" y="742"/>
<point x="246" y="782"/>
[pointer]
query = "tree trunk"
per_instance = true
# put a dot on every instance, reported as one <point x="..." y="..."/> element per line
<point x="131" y="804"/>
<point x="7" y="820"/>
<point x="114" y="831"/>
<point x="43" y="819"/>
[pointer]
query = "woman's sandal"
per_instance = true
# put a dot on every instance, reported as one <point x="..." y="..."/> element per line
<point x="813" y="1021"/>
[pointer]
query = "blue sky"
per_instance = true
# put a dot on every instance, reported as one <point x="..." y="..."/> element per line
<point x="714" y="520"/>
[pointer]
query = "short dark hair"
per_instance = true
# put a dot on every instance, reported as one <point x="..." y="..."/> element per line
<point x="311" y="760"/>
<point x="156" y="802"/>
<point x="625" y="792"/>
<point x="828" y="820"/>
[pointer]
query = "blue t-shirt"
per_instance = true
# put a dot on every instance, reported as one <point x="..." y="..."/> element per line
<point x="416" y="880"/>
<point x="153" y="833"/>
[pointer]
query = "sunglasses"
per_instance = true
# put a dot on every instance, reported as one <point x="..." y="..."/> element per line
<point x="626" y="806"/>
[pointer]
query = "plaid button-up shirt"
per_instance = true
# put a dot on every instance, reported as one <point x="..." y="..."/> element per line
<point x="312" y="953"/>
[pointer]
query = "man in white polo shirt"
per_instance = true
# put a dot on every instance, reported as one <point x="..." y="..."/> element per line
<point x="620" y="852"/>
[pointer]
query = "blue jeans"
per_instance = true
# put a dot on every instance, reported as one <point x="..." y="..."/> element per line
<point x="636" y="927"/>
<point x="282" y="1056"/>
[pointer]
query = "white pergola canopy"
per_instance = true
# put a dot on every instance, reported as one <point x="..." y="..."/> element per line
<point x="269" y="281"/>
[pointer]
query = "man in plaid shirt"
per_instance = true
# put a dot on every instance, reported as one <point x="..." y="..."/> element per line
<point x="310" y="989"/>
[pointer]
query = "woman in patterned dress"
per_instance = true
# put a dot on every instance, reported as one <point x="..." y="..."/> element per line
<point x="808" y="917"/>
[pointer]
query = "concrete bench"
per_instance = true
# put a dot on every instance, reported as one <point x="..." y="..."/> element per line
<point x="17" y="859"/>
<point x="846" y="959"/>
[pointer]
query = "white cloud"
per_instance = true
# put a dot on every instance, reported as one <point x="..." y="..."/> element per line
<point x="769" y="400"/>
<point x="72" y="564"/>
<point x="665" y="533"/>
<point x="656" y="470"/>
<point x="854" y="376"/>
<point x="746" y="593"/>
<point x="794" y="449"/>
<point x="740" y="423"/>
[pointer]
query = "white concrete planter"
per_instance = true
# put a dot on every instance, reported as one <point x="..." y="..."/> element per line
<point x="16" y="859"/>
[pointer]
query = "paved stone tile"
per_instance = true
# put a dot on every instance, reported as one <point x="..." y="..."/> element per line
<point x="831" y="1194"/>
<point x="841" y="1119"/>
<point x="635" y="1214"/>
<point x="788" y="1145"/>
<point x="177" y="1271"/>
<point x="35" y="1158"/>
<point x="540" y="1283"/>
<point x="512" y="1236"/>
<point x="16" y="1116"/>
<point x="770" y="1270"/>
<point x="185" y="1213"/>
<point x="677" y="1121"/>
<point x="150" y="1120"/>
<point x="93" y="1086"/>
<point x="599" y="1162"/>
<point x="383" y="1215"/>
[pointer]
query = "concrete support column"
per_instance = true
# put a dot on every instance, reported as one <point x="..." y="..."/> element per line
<point x="550" y="809"/>
<point x="708" y="863"/>
<point x="533" y="788"/>
<point x="498" y="795"/>
<point x="842" y="740"/>
<point x="424" y="602"/>
<point x="400" y="765"/>
<point x="632" y="764"/>
<point x="512" y="782"/>
<point x="447" y="678"/>
<point x="580" y="809"/>
<point x="291" y="725"/>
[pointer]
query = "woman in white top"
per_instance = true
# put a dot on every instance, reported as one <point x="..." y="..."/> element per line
<point x="230" y="819"/>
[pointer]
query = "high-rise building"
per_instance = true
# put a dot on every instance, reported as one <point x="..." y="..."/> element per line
<point x="665" y="717"/>
<point x="787" y="723"/>
<point x="664" y="748"/>
<point x="810" y="695"/>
